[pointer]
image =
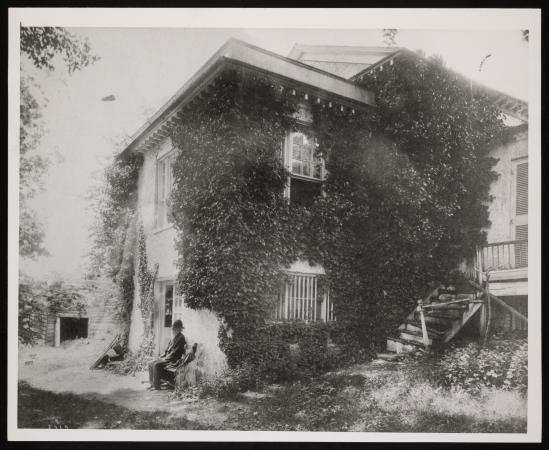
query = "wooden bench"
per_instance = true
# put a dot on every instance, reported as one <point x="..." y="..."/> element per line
<point x="185" y="359"/>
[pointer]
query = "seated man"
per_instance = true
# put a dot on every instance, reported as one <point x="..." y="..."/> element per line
<point x="170" y="358"/>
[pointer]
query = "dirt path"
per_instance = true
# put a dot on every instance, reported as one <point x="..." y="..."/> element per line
<point x="66" y="370"/>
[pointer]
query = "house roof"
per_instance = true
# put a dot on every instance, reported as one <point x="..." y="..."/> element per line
<point x="508" y="104"/>
<point x="341" y="60"/>
<point x="237" y="54"/>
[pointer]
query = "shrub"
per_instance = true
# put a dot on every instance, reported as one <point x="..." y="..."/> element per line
<point x="229" y="385"/>
<point x="502" y="364"/>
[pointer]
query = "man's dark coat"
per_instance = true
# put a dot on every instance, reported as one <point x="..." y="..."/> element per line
<point x="174" y="351"/>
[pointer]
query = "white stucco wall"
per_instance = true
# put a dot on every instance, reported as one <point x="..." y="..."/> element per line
<point x="502" y="207"/>
<point x="200" y="326"/>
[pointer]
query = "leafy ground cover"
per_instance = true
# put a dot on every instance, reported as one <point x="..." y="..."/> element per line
<point x="391" y="398"/>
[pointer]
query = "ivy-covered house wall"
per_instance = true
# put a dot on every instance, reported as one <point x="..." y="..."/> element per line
<point x="404" y="200"/>
<point x="159" y="244"/>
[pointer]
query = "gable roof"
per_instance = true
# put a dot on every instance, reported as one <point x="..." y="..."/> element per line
<point x="243" y="56"/>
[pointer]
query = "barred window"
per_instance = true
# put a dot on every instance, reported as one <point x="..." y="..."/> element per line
<point x="303" y="298"/>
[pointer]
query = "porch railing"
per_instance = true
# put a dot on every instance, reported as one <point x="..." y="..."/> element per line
<point x="503" y="255"/>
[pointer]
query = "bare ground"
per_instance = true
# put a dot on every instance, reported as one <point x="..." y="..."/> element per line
<point x="65" y="370"/>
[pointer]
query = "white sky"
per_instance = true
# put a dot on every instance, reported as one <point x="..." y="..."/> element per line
<point x="144" y="67"/>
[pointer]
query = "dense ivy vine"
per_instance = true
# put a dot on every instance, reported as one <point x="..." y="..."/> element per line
<point x="145" y="280"/>
<point x="407" y="192"/>
<point x="404" y="200"/>
<point x="114" y="233"/>
<point x="235" y="225"/>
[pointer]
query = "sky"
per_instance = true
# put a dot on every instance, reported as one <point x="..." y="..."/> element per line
<point x="143" y="67"/>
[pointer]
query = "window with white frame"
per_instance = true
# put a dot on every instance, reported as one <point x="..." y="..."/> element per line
<point x="302" y="157"/>
<point x="306" y="168"/>
<point x="164" y="185"/>
<point x="303" y="298"/>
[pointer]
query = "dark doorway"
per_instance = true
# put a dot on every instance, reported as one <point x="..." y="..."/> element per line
<point x="73" y="328"/>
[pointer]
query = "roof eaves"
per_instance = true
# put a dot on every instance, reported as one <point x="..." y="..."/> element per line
<point x="242" y="53"/>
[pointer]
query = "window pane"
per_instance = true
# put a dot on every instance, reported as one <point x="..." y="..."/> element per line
<point x="303" y="151"/>
<point x="168" y="305"/>
<point x="318" y="170"/>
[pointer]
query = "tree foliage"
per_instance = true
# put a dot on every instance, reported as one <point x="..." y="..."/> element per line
<point x="389" y="36"/>
<point x="40" y="45"/>
<point x="43" y="44"/>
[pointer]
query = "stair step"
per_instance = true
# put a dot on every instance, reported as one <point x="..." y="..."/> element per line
<point x="436" y="321"/>
<point x="450" y="307"/>
<point x="399" y="345"/>
<point x="417" y="336"/>
<point x="390" y="356"/>
<point x="416" y="326"/>
<point x="451" y="314"/>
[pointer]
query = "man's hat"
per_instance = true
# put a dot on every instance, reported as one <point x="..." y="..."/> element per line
<point x="178" y="324"/>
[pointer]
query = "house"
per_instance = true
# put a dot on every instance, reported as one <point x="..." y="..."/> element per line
<point x="321" y="74"/>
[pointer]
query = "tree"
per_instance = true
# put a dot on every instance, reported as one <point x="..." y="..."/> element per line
<point x="389" y="36"/>
<point x="41" y="45"/>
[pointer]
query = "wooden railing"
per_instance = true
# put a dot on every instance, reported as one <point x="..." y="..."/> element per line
<point x="503" y="255"/>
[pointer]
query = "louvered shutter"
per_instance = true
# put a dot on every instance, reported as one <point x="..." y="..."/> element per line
<point x="522" y="189"/>
<point x="521" y="250"/>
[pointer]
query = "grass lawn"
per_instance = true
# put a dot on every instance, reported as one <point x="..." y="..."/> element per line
<point x="43" y="409"/>
<point x="370" y="397"/>
<point x="385" y="402"/>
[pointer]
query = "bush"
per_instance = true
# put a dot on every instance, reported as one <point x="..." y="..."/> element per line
<point x="501" y="364"/>
<point x="229" y="385"/>
<point x="280" y="352"/>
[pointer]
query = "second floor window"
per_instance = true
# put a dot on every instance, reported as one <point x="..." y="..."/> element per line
<point x="303" y="161"/>
<point x="306" y="169"/>
<point x="164" y="184"/>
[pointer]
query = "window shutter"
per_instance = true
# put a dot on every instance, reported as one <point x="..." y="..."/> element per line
<point x="521" y="248"/>
<point x="522" y="189"/>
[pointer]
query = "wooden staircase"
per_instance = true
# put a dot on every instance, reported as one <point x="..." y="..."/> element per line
<point x="434" y="322"/>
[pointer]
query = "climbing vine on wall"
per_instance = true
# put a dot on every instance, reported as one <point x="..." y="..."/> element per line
<point x="114" y="232"/>
<point x="145" y="280"/>
<point x="404" y="199"/>
<point x="235" y="227"/>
